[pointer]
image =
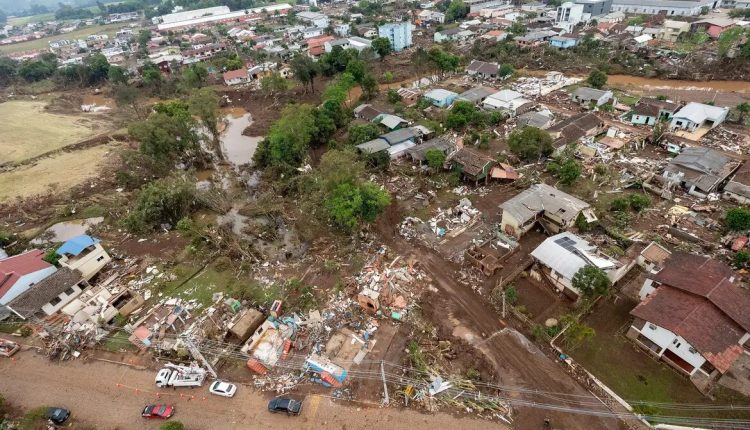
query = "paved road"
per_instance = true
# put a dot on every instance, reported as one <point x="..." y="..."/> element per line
<point x="90" y="389"/>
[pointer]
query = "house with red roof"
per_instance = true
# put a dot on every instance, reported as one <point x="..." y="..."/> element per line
<point x="236" y="77"/>
<point x="20" y="272"/>
<point x="694" y="316"/>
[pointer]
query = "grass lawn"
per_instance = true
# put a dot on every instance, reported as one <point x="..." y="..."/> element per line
<point x="81" y="33"/>
<point x="23" y="20"/>
<point x="19" y="141"/>
<point x="634" y="375"/>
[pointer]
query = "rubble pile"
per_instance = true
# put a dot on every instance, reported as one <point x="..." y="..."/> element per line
<point x="723" y="139"/>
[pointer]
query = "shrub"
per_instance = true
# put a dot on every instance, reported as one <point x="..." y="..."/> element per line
<point x="166" y="200"/>
<point x="172" y="425"/>
<point x="737" y="219"/>
<point x="473" y="374"/>
<point x="511" y="295"/>
<point x="619" y="204"/>
<point x="530" y="143"/>
<point x="741" y="258"/>
<point x="435" y="158"/>
<point x="581" y="224"/>
<point x="639" y="202"/>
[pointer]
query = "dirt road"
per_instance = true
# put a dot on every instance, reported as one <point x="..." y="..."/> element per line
<point x="90" y="390"/>
<point x="517" y="361"/>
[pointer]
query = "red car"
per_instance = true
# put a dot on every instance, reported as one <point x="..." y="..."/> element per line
<point x="158" y="411"/>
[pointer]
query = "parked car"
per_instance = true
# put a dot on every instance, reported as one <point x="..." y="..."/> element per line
<point x="223" y="389"/>
<point x="58" y="415"/>
<point x="283" y="404"/>
<point x="158" y="411"/>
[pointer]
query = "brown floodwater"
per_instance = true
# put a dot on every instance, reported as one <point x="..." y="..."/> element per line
<point x="238" y="148"/>
<point x="637" y="82"/>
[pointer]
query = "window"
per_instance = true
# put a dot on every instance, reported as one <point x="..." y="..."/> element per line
<point x="55" y="301"/>
<point x="692" y="350"/>
<point x="101" y="257"/>
<point x="70" y="291"/>
<point x="652" y="326"/>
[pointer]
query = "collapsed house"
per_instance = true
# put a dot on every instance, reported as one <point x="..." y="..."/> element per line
<point x="570" y="130"/>
<point x="700" y="170"/>
<point x="738" y="188"/>
<point x="160" y="325"/>
<point x="563" y="255"/>
<point x="445" y="144"/>
<point x="586" y="95"/>
<point x="693" y="316"/>
<point x="553" y="209"/>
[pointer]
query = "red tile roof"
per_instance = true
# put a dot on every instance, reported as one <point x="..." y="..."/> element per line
<point x="318" y="40"/>
<point x="234" y="74"/>
<point x="698" y="300"/>
<point x="13" y="268"/>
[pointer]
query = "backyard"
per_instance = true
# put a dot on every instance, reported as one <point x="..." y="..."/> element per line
<point x="634" y="375"/>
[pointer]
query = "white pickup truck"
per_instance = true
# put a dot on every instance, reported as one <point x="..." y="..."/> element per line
<point x="180" y="376"/>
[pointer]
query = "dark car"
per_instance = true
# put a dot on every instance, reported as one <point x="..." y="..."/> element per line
<point x="158" y="411"/>
<point x="282" y="404"/>
<point x="58" y="415"/>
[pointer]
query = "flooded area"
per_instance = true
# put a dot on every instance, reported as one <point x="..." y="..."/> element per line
<point x="238" y="148"/>
<point x="66" y="230"/>
<point x="636" y="83"/>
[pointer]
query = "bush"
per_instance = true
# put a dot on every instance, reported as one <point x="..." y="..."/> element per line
<point x="581" y="224"/>
<point x="52" y="257"/>
<point x="393" y="96"/>
<point x="741" y="258"/>
<point x="737" y="219"/>
<point x="511" y="295"/>
<point x="619" y="204"/>
<point x="639" y="202"/>
<point x="473" y="374"/>
<point x="435" y="158"/>
<point x="163" y="201"/>
<point x="172" y="425"/>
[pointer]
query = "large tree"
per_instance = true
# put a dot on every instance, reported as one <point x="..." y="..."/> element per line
<point x="305" y="70"/>
<point x="530" y="143"/>
<point x="597" y="79"/>
<point x="591" y="281"/>
<point x="382" y="46"/>
<point x="286" y="144"/>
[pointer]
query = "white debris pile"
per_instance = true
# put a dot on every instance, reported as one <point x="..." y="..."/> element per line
<point x="278" y="383"/>
<point x="447" y="220"/>
<point x="393" y="286"/>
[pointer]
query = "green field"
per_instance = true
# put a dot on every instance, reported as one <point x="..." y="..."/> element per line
<point x="23" y="20"/>
<point x="81" y="33"/>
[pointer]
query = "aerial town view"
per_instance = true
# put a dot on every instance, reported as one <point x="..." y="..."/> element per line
<point x="361" y="214"/>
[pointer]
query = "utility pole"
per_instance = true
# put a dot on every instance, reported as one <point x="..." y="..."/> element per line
<point x="196" y="353"/>
<point x="503" y="293"/>
<point x="385" y="386"/>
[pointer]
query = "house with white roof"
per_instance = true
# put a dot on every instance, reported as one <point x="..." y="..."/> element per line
<point x="696" y="115"/>
<point x="507" y="101"/>
<point x="563" y="255"/>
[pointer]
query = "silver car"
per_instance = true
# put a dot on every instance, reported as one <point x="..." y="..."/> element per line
<point x="224" y="389"/>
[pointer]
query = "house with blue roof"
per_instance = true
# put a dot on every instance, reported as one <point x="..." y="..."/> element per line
<point x="85" y="254"/>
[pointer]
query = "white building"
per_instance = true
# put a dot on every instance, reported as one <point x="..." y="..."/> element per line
<point x="398" y="33"/>
<point x="506" y="101"/>
<point x="563" y="255"/>
<point x="191" y="19"/>
<point x="85" y="254"/>
<point x="664" y="7"/>
<point x="696" y="115"/>
<point x="569" y="15"/>
<point x="694" y="317"/>
<point x="314" y="18"/>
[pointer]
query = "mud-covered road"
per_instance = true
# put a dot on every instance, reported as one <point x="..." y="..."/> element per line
<point x="517" y="362"/>
<point x="109" y="396"/>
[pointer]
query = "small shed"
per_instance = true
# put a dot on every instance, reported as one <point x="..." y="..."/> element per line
<point x="245" y="323"/>
<point x="441" y="98"/>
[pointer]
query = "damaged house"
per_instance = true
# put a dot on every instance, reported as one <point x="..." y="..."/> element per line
<point x="649" y="111"/>
<point x="396" y="143"/>
<point x="85" y="254"/>
<point x="19" y="273"/>
<point x="700" y="170"/>
<point x="738" y="188"/>
<point x="563" y="255"/>
<point x="553" y="209"/>
<point x="585" y="95"/>
<point x="476" y="166"/>
<point x="49" y="295"/>
<point x="569" y="130"/>
<point x="694" y="317"/>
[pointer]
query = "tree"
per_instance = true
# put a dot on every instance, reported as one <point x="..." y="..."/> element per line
<point x="421" y="61"/>
<point x="597" y="79"/>
<point x="116" y="75"/>
<point x="435" y="158"/>
<point x="576" y="332"/>
<point x="97" y="68"/>
<point x="8" y="70"/>
<point x="728" y="39"/>
<point x="369" y="87"/>
<point x="506" y="70"/>
<point x="567" y="170"/>
<point x="163" y="201"/>
<point x="338" y="167"/>
<point x="456" y="10"/>
<point x="168" y="133"/>
<point x="361" y="133"/>
<point x="195" y="76"/>
<point x="741" y="258"/>
<point x="393" y="96"/>
<point x="129" y="96"/>
<point x="737" y="219"/>
<point x="462" y="114"/>
<point x="288" y="139"/>
<point x="274" y="85"/>
<point x="151" y="75"/>
<point x="350" y="205"/>
<point x="204" y="104"/>
<point x="591" y="281"/>
<point x="443" y="61"/>
<point x="36" y="70"/>
<point x="742" y="110"/>
<point x="530" y="143"/>
<point x="305" y="70"/>
<point x="382" y="46"/>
